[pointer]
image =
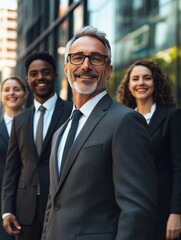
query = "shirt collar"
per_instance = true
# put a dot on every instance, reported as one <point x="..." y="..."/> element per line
<point x="49" y="104"/>
<point x="149" y="115"/>
<point x="7" y="118"/>
<point x="87" y="108"/>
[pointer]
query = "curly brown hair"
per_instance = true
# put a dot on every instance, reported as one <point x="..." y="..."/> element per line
<point x="162" y="95"/>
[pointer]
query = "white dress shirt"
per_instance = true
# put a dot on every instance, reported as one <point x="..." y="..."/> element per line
<point x="86" y="110"/>
<point x="8" y="121"/>
<point x="149" y="115"/>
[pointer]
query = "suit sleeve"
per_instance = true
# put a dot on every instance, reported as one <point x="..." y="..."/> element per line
<point x="175" y="149"/>
<point x="11" y="174"/>
<point x="134" y="178"/>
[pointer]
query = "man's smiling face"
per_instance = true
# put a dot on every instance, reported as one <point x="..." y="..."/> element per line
<point x="86" y="78"/>
<point x="41" y="79"/>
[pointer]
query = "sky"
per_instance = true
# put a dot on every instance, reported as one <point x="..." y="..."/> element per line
<point x="10" y="4"/>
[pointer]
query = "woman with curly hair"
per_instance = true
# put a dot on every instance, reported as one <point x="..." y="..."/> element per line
<point x="147" y="90"/>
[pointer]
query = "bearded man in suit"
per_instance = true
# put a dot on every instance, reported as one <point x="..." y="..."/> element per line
<point x="106" y="188"/>
<point x="26" y="177"/>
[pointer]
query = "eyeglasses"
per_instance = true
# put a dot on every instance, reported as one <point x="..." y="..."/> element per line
<point x="95" y="59"/>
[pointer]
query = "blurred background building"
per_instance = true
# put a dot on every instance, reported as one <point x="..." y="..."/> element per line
<point x="8" y="37"/>
<point x="136" y="29"/>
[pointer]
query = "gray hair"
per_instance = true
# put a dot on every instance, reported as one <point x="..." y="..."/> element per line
<point x="92" y="32"/>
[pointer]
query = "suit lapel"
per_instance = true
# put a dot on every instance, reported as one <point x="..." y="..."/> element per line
<point x="29" y="128"/>
<point x="55" y="151"/>
<point x="3" y="131"/>
<point x="58" y="111"/>
<point x="97" y="114"/>
<point x="157" y="118"/>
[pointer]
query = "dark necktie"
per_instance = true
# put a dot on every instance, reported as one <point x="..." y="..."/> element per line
<point x="71" y="135"/>
<point x="39" y="130"/>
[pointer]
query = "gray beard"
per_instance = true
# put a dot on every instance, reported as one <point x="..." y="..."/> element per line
<point x="84" y="90"/>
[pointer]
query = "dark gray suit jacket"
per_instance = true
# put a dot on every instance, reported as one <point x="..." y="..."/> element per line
<point x="4" y="139"/>
<point x="107" y="189"/>
<point x="24" y="168"/>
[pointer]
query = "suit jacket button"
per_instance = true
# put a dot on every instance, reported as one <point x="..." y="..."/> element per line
<point x="57" y="207"/>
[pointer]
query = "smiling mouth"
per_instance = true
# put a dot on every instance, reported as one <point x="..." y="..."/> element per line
<point x="84" y="76"/>
<point x="141" y="90"/>
<point x="12" y="99"/>
<point x="41" y="84"/>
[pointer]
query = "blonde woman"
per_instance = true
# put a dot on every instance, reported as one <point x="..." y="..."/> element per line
<point x="13" y="95"/>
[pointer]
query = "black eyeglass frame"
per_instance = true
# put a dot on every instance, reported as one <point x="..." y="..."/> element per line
<point x="89" y="57"/>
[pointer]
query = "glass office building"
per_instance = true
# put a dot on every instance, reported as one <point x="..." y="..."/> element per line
<point x="136" y="29"/>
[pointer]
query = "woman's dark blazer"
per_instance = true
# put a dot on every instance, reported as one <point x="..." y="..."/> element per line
<point x="165" y="130"/>
<point x="4" y="138"/>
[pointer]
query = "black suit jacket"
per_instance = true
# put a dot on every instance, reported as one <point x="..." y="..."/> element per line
<point x="107" y="188"/>
<point x="24" y="168"/>
<point x="165" y="131"/>
<point x="4" y="139"/>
